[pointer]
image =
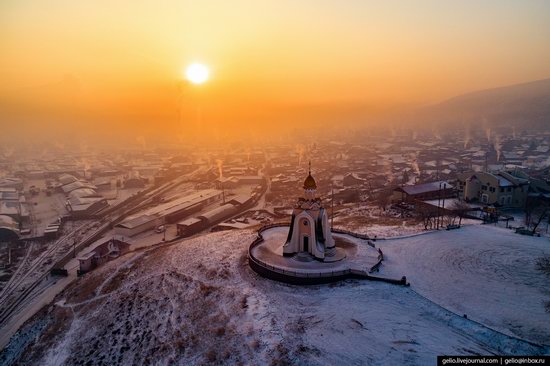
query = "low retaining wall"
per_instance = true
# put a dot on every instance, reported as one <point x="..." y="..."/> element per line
<point x="308" y="278"/>
<point x="380" y="259"/>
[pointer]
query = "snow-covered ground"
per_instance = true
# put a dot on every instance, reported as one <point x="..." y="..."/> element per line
<point x="373" y="221"/>
<point x="198" y="302"/>
<point x="485" y="272"/>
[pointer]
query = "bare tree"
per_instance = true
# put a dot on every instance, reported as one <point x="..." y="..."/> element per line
<point x="537" y="208"/>
<point x="383" y="198"/>
<point x="461" y="209"/>
<point x="538" y="214"/>
<point x="427" y="214"/>
<point x="449" y="218"/>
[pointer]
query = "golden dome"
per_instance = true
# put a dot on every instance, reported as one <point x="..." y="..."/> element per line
<point x="309" y="183"/>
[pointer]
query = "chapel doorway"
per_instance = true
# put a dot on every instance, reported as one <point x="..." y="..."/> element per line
<point x="306" y="243"/>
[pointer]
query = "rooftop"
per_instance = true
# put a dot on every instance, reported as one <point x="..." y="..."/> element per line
<point x="425" y="187"/>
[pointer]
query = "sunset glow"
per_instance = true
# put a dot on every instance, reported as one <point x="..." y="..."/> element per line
<point x="278" y="63"/>
<point x="197" y="73"/>
<point x="275" y="182"/>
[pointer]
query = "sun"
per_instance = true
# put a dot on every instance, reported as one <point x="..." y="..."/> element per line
<point x="197" y="73"/>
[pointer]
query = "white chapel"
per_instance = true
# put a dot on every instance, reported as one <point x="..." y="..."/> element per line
<point x="310" y="231"/>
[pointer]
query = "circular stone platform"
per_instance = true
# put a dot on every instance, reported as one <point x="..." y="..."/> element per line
<point x="352" y="254"/>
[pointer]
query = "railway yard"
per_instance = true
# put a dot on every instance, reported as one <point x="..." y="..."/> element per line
<point x="36" y="273"/>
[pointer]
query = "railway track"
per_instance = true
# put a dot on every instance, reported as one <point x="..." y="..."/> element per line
<point x="32" y="274"/>
<point x="28" y="278"/>
<point x="26" y="269"/>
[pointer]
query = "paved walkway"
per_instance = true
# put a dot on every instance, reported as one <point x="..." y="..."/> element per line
<point x="359" y="255"/>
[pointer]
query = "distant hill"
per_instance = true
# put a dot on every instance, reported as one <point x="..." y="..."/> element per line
<point x="525" y="105"/>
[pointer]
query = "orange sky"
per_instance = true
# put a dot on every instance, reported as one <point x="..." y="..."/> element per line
<point x="98" y="65"/>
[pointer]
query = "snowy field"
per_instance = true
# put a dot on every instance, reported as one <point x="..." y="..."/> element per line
<point x="198" y="302"/>
<point x="485" y="272"/>
<point x="373" y="221"/>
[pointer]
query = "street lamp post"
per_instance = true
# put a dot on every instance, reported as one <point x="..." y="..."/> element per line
<point x="438" y="206"/>
<point x="443" y="203"/>
<point x="332" y="210"/>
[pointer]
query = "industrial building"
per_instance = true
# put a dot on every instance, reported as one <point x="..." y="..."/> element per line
<point x="422" y="192"/>
<point x="7" y="182"/>
<point x="101" y="254"/>
<point x="68" y="188"/>
<point x="190" y="226"/>
<point x="82" y="199"/>
<point x="9" y="194"/>
<point x="233" y="181"/>
<point x="85" y="207"/>
<point x="65" y="179"/>
<point x="9" y="229"/>
<point x="219" y="213"/>
<point x="193" y="225"/>
<point x="15" y="209"/>
<point x="168" y="212"/>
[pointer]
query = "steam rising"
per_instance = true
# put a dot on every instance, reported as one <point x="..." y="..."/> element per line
<point x="219" y="163"/>
<point x="300" y="150"/>
<point x="467" y="137"/>
<point x="498" y="146"/>
<point x="414" y="164"/>
<point x="8" y="151"/>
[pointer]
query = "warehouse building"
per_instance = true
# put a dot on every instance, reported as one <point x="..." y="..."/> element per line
<point x="68" y="188"/>
<point x="9" y="229"/>
<point x="101" y="254"/>
<point x="9" y="194"/>
<point x="190" y="226"/>
<point x="17" y="210"/>
<point x="193" y="225"/>
<point x="168" y="212"/>
<point x="423" y="192"/>
<point x="7" y="182"/>
<point x="65" y="179"/>
<point x="84" y="207"/>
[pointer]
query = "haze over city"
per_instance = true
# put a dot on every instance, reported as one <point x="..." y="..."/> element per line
<point x="101" y="68"/>
<point x="274" y="182"/>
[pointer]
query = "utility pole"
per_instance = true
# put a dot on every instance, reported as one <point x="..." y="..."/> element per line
<point x="438" y="205"/>
<point x="332" y="211"/>
<point x="443" y="205"/>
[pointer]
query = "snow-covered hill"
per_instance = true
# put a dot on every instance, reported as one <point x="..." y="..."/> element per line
<point x="486" y="272"/>
<point x="198" y="302"/>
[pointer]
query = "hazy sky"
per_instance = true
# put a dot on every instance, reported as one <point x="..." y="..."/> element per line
<point x="119" y="64"/>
